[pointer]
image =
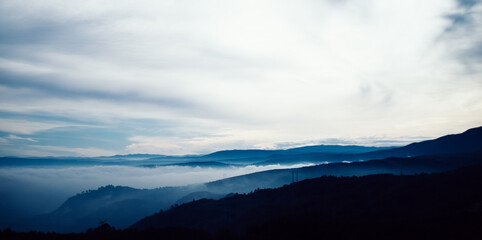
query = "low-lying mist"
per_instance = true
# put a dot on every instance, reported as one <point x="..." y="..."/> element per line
<point x="26" y="191"/>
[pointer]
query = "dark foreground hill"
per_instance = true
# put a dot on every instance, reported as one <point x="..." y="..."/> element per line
<point x="424" y="206"/>
<point x="391" y="165"/>
<point x="444" y="205"/>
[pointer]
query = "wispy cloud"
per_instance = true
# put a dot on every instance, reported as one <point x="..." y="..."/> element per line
<point x="466" y="20"/>
<point x="26" y="127"/>
<point x="14" y="137"/>
<point x="73" y="151"/>
<point x="20" y="67"/>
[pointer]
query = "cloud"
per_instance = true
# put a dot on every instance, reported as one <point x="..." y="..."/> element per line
<point x="200" y="143"/>
<point x="82" y="178"/>
<point x="29" y="150"/>
<point x="153" y="145"/>
<point x="25" y="127"/>
<point x="269" y="71"/>
<point x="70" y="151"/>
<point x="14" y="137"/>
<point x="20" y="67"/>
<point x="375" y="141"/>
<point x="468" y="3"/>
<point x="466" y="21"/>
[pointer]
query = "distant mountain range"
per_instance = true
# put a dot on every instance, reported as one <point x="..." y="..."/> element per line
<point x="330" y="153"/>
<point x="466" y="142"/>
<point x="122" y="206"/>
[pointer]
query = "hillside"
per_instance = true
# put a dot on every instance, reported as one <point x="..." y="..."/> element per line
<point x="119" y="206"/>
<point x="392" y="165"/>
<point x="384" y="206"/>
<point x="412" y="206"/>
<point x="468" y="141"/>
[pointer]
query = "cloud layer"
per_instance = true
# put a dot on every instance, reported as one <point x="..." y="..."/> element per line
<point x="30" y="191"/>
<point x="183" y="77"/>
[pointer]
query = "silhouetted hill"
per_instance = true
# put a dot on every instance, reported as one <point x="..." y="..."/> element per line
<point x="392" y="165"/>
<point x="136" y="156"/>
<point x="374" y="206"/>
<point x="212" y="164"/>
<point x="206" y="164"/>
<point x="119" y="206"/>
<point x="199" y="195"/>
<point x="468" y="141"/>
<point x="307" y="154"/>
<point x="336" y="149"/>
<point x="250" y="153"/>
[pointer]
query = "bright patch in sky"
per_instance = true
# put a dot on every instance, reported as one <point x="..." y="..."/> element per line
<point x="89" y="78"/>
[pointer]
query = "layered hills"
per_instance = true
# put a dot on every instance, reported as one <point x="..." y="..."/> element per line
<point x="373" y="206"/>
<point x="122" y="206"/>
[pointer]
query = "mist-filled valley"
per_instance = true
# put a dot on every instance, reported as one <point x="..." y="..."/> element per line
<point x="74" y="194"/>
<point x="28" y="191"/>
<point x="31" y="186"/>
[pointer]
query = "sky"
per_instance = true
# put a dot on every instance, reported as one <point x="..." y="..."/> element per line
<point x="96" y="78"/>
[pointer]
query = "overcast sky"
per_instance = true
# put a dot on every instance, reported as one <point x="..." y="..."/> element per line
<point x="89" y="78"/>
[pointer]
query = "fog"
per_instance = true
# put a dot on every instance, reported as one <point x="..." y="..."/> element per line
<point x="28" y="191"/>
